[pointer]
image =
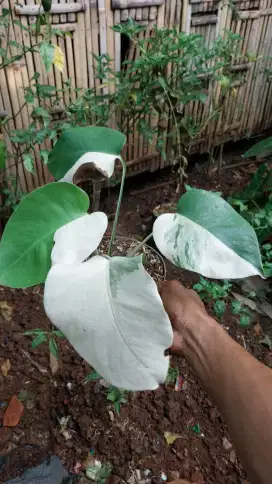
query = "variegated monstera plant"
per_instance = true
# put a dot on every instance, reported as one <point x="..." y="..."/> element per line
<point x="108" y="307"/>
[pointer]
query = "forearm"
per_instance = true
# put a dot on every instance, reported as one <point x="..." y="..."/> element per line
<point x="240" y="386"/>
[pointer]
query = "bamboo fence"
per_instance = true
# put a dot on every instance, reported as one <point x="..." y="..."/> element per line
<point x="89" y="22"/>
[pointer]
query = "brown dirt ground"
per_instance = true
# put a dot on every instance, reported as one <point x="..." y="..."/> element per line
<point x="135" y="438"/>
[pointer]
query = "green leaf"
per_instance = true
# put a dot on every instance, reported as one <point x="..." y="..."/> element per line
<point x="29" y="162"/>
<point x="53" y="347"/>
<point x="172" y="375"/>
<point x="39" y="339"/>
<point x="261" y="149"/>
<point x="58" y="333"/>
<point x="77" y="145"/>
<point x="34" y="331"/>
<point x="27" y="242"/>
<point x="219" y="308"/>
<point x="245" y="320"/>
<point x="198" y="287"/>
<point x="47" y="52"/>
<point x="236" y="307"/>
<point x="92" y="376"/>
<point x="257" y="186"/>
<point x="3" y="155"/>
<point x="44" y="156"/>
<point x="208" y="236"/>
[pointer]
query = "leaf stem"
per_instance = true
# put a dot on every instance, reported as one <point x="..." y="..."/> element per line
<point x="113" y="233"/>
<point x="134" y="251"/>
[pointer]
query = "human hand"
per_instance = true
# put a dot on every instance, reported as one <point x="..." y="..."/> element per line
<point x="185" y="310"/>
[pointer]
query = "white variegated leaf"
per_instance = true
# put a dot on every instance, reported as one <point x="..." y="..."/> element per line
<point x="93" y="146"/>
<point x="111" y="312"/>
<point x="103" y="162"/>
<point x="75" y="241"/>
<point x="207" y="236"/>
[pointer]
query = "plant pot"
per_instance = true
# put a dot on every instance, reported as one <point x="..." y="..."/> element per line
<point x="153" y="263"/>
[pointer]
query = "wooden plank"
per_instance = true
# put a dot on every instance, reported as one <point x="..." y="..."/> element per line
<point x="57" y="8"/>
<point x="121" y="4"/>
<point x="204" y="20"/>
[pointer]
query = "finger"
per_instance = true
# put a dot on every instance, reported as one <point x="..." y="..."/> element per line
<point x="176" y="347"/>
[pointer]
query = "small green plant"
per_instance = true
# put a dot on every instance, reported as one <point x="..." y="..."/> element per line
<point x="113" y="394"/>
<point x="172" y="375"/>
<point x="117" y="397"/>
<point x="92" y="376"/>
<point x="241" y="311"/>
<point x="41" y="336"/>
<point x="103" y="473"/>
<point x="211" y="291"/>
<point x="255" y="203"/>
<point x="266" y="252"/>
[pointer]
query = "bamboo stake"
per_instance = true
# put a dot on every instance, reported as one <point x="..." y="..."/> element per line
<point x="63" y="16"/>
<point x="13" y="84"/>
<point x="89" y="45"/>
<point x="153" y="12"/>
<point x="263" y="85"/>
<point x="23" y="83"/>
<point x="117" y="42"/>
<point x="80" y="56"/>
<point x="248" y="99"/>
<point x="38" y="67"/>
<point x="69" y="60"/>
<point x="95" y="35"/>
<point x="71" y="16"/>
<point x="145" y="13"/>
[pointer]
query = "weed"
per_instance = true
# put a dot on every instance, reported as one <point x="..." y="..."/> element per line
<point x="172" y="375"/>
<point x="266" y="252"/>
<point x="210" y="291"/>
<point x="117" y="397"/>
<point x="103" y="473"/>
<point x="41" y="336"/>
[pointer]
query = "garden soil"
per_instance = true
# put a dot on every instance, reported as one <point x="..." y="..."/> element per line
<point x="133" y="442"/>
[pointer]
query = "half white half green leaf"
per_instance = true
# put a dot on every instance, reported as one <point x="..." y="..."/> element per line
<point x="209" y="237"/>
<point x="111" y="312"/>
<point x="27" y="242"/>
<point x="85" y="145"/>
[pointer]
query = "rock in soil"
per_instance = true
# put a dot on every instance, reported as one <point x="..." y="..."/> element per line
<point x="13" y="413"/>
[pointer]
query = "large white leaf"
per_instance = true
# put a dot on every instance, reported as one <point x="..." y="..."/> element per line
<point x="207" y="236"/>
<point x="75" y="241"/>
<point x="111" y="312"/>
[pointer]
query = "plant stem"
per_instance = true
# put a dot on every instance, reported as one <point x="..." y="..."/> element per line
<point x="134" y="251"/>
<point x="180" y="156"/>
<point x="113" y="233"/>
